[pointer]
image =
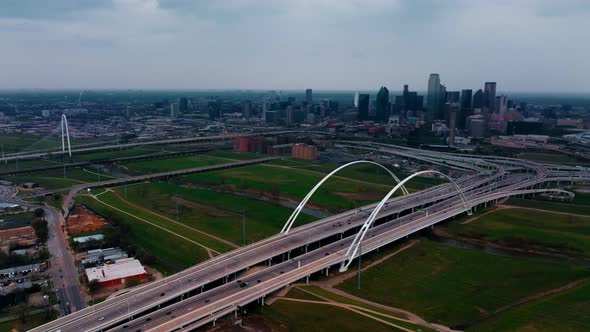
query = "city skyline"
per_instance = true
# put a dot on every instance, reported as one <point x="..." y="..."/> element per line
<point x="148" y="44"/>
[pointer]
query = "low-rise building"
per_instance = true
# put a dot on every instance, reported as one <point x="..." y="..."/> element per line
<point x="103" y="255"/>
<point x="304" y="151"/>
<point x="95" y="237"/>
<point x="117" y="273"/>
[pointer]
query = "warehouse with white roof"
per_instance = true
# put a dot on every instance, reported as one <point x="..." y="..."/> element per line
<point x="117" y="273"/>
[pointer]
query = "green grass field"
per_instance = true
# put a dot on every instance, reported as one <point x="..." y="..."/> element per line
<point x="363" y="172"/>
<point x="32" y="321"/>
<point x="457" y="287"/>
<point x="579" y="205"/>
<point x="273" y="181"/>
<point x="228" y="154"/>
<point x="305" y="317"/>
<point x="213" y="212"/>
<point x="170" y="164"/>
<point x="111" y="154"/>
<point x="316" y="293"/>
<point x="172" y="253"/>
<point x="557" y="158"/>
<point x="565" y="311"/>
<point x="22" y="215"/>
<point x="526" y="229"/>
<point x="17" y="142"/>
<point x="54" y="179"/>
<point x="27" y="164"/>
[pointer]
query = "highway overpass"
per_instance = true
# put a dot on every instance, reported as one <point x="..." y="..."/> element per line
<point x="203" y="293"/>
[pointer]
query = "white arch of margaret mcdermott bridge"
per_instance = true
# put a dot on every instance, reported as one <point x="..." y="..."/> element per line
<point x="354" y="246"/>
<point x="299" y="207"/>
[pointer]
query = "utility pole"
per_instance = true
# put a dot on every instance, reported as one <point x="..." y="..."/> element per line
<point x="244" y="226"/>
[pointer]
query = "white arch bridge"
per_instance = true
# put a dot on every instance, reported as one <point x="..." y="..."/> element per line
<point x="205" y="292"/>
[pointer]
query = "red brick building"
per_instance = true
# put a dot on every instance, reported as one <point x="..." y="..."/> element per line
<point x="304" y="151"/>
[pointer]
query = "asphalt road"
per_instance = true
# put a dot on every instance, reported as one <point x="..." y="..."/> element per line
<point x="63" y="269"/>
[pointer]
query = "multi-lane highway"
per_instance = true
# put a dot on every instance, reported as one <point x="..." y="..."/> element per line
<point x="209" y="290"/>
<point x="73" y="190"/>
<point x="41" y="154"/>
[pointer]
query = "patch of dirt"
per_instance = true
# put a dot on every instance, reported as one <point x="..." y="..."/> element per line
<point x="36" y="299"/>
<point x="82" y="220"/>
<point x="24" y="236"/>
<point x="153" y="272"/>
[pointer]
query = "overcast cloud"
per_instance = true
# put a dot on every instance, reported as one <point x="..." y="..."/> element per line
<point x="524" y="45"/>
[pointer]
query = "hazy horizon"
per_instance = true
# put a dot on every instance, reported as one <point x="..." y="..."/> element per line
<point x="523" y="45"/>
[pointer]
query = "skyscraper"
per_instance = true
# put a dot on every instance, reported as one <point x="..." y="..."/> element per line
<point x="453" y="122"/>
<point x="264" y="110"/>
<point x="442" y="96"/>
<point x="174" y="108"/>
<point x="382" y="104"/>
<point x="478" y="99"/>
<point x="465" y="109"/>
<point x="489" y="102"/>
<point x="501" y="105"/>
<point x="436" y="98"/>
<point x="432" y="96"/>
<point x="308" y="96"/>
<point x="363" y="107"/>
<point x="453" y="96"/>
<point x="246" y="108"/>
<point x="466" y="98"/>
<point x="183" y="104"/>
<point x="355" y="101"/>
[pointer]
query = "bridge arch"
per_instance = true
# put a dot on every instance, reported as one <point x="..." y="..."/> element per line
<point x="299" y="207"/>
<point x="65" y="133"/>
<point x="354" y="246"/>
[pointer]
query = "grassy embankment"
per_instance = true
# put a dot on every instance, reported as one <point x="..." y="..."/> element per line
<point x="459" y="287"/>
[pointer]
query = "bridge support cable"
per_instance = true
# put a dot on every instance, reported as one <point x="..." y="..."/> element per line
<point x="354" y="246"/>
<point x="299" y="207"/>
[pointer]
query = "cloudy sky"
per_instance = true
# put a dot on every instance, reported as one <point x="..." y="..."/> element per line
<point x="524" y="45"/>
